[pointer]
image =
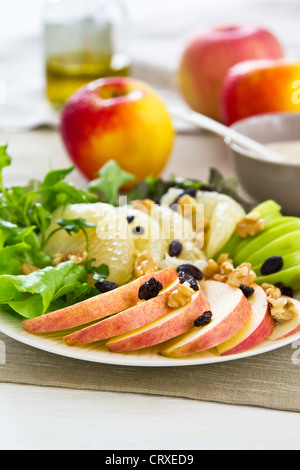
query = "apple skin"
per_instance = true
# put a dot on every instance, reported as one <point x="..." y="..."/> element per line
<point x="219" y="331"/>
<point x="128" y="320"/>
<point x="170" y="326"/>
<point x="97" y="307"/>
<point x="209" y="54"/>
<point x="289" y="328"/>
<point x="260" y="326"/>
<point x="258" y="87"/>
<point x="119" y="119"/>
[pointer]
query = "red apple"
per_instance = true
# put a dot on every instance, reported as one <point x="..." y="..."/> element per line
<point x="289" y="328"/>
<point x="119" y="119"/>
<point x="210" y="53"/>
<point x="125" y="321"/>
<point x="231" y="312"/>
<point x="259" y="327"/>
<point x="258" y="87"/>
<point x="174" y="323"/>
<point x="95" y="308"/>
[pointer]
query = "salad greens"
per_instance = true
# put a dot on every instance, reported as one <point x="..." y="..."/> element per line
<point x="26" y="213"/>
<point x="30" y="296"/>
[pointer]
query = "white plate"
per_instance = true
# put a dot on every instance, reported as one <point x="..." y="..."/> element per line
<point x="54" y="344"/>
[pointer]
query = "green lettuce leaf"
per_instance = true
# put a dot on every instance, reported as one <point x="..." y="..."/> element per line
<point x="31" y="296"/>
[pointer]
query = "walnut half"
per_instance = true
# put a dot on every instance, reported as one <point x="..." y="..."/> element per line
<point x="77" y="257"/>
<point x="144" y="264"/>
<point x="181" y="296"/>
<point x="282" y="309"/>
<point x="251" y="225"/>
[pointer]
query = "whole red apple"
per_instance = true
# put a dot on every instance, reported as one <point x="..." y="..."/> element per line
<point x="209" y="54"/>
<point x="119" y="119"/>
<point x="260" y="86"/>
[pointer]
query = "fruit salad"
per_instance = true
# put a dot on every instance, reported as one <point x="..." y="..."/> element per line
<point x="185" y="265"/>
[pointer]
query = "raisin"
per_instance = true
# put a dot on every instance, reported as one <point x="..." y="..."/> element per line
<point x="247" y="291"/>
<point x="272" y="265"/>
<point x="130" y="219"/>
<point x="207" y="188"/>
<point x="150" y="289"/>
<point x="204" y="319"/>
<point x="138" y="230"/>
<point x="187" y="192"/>
<point x="192" y="270"/>
<point x="106" y="286"/>
<point x="175" y="248"/>
<point x="285" y="290"/>
<point x="185" y="277"/>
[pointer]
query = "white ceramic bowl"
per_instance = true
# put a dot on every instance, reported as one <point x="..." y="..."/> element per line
<point x="263" y="179"/>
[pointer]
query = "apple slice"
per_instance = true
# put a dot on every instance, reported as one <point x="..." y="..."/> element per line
<point x="123" y="322"/>
<point x="169" y="326"/>
<point x="97" y="307"/>
<point x="231" y="312"/>
<point x="259" y="327"/>
<point x="289" y="328"/>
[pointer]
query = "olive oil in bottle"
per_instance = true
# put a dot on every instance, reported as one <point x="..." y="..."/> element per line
<point x="84" y="40"/>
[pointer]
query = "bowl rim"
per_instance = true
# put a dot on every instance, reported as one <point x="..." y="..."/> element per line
<point x="252" y="156"/>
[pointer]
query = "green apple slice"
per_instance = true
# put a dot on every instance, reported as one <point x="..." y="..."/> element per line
<point x="289" y="277"/>
<point x="284" y="245"/>
<point x="290" y="261"/>
<point x="268" y="210"/>
<point x="279" y="221"/>
<point x="264" y="239"/>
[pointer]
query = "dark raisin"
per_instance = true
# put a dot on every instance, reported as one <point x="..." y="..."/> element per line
<point x="175" y="248"/>
<point x="155" y="200"/>
<point x="204" y="319"/>
<point x="150" y="289"/>
<point x="138" y="230"/>
<point x="130" y="219"/>
<point x="185" y="277"/>
<point x="189" y="192"/>
<point x="192" y="270"/>
<point x="285" y="290"/>
<point x="272" y="265"/>
<point x="207" y="188"/>
<point x="247" y="291"/>
<point x="106" y="286"/>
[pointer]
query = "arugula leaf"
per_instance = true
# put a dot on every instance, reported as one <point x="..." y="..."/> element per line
<point x="55" y="176"/>
<point x="31" y="296"/>
<point x="111" y="179"/>
<point x="19" y="245"/>
<point x="74" y="225"/>
<point x="228" y="186"/>
<point x="155" y="188"/>
<point x="99" y="273"/>
<point x="5" y="160"/>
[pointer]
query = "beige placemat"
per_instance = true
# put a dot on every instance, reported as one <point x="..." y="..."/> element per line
<point x="270" y="380"/>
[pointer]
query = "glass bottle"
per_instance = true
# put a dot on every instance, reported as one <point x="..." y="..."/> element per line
<point x="84" y="40"/>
